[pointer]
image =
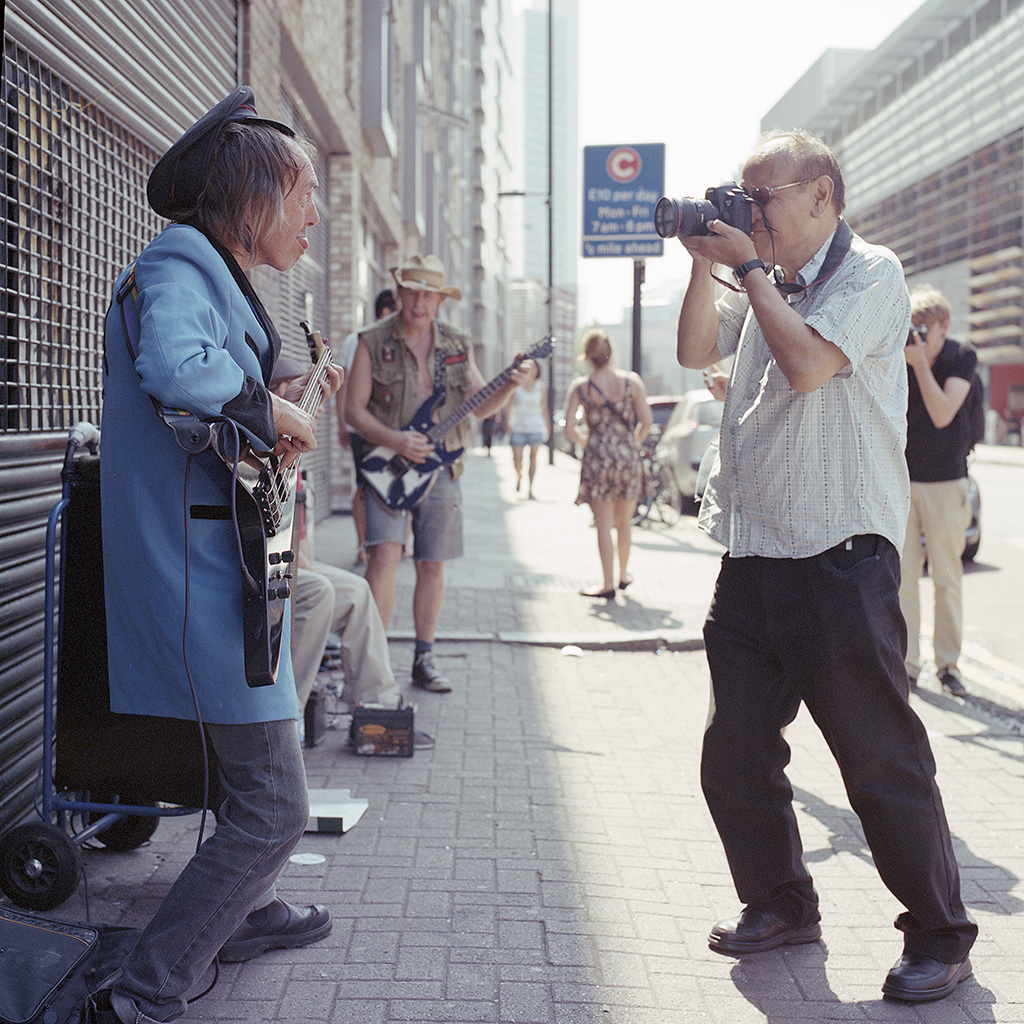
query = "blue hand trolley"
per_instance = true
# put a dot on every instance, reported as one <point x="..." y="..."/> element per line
<point x="104" y="777"/>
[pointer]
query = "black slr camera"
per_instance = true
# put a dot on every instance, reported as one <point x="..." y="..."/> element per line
<point x="681" y="218"/>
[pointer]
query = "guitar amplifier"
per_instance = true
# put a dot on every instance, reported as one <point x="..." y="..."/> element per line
<point x="378" y="731"/>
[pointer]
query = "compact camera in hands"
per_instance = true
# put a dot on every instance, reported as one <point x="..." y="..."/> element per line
<point x="917" y="332"/>
<point x="683" y="218"/>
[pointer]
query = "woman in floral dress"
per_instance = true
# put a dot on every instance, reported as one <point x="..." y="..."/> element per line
<point x="618" y="418"/>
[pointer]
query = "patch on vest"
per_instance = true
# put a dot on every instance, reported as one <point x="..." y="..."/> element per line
<point x="387" y="396"/>
<point x="387" y="354"/>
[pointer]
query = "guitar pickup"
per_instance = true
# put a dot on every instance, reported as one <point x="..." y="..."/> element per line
<point x="398" y="465"/>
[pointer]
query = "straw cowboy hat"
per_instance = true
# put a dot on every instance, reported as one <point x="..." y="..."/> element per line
<point x="424" y="274"/>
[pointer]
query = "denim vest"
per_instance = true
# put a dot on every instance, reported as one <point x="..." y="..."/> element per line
<point x="393" y="394"/>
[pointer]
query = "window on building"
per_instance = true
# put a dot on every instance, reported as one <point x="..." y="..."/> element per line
<point x="987" y="16"/>
<point x="377" y="62"/>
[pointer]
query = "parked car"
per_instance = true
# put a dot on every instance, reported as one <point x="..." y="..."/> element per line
<point x="693" y="425"/>
<point x="662" y="407"/>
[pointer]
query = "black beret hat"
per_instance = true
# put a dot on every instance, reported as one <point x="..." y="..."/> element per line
<point x="179" y="177"/>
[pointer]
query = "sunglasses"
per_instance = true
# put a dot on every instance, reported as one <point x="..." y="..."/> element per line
<point x="763" y="194"/>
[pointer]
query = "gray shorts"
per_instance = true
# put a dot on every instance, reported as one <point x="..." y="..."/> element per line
<point x="436" y="521"/>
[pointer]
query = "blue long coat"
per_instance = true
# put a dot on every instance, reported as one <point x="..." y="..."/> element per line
<point x="201" y="347"/>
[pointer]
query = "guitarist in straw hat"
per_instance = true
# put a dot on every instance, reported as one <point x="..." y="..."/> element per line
<point x="400" y="362"/>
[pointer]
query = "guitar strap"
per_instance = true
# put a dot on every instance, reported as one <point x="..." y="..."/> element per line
<point x="190" y="432"/>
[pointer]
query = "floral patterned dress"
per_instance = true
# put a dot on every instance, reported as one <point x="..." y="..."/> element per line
<point x="611" y="461"/>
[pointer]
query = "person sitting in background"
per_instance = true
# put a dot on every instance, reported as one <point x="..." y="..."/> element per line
<point x="618" y="419"/>
<point x="328" y="600"/>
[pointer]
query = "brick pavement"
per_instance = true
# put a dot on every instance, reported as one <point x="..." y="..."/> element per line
<point x="551" y="861"/>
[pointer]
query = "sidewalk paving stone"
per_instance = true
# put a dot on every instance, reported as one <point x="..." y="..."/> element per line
<point x="551" y="860"/>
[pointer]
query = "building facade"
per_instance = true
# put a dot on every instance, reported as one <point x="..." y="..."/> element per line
<point x="403" y="100"/>
<point x="929" y="128"/>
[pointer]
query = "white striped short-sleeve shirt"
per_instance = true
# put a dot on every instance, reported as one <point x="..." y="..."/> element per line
<point x="798" y="473"/>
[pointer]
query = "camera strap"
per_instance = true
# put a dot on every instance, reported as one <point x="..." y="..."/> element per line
<point x="837" y="251"/>
<point x="841" y="240"/>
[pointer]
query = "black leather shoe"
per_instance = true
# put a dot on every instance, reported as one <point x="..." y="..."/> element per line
<point x="756" y="930"/>
<point x="951" y="683"/>
<point x="276" y="926"/>
<point x="916" y="978"/>
<point x="426" y="676"/>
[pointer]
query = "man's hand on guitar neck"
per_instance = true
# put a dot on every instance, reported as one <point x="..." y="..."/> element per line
<point x="295" y="428"/>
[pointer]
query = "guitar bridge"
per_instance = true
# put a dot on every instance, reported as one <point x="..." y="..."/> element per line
<point x="398" y="465"/>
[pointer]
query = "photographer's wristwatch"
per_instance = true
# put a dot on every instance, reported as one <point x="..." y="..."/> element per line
<point x="745" y="268"/>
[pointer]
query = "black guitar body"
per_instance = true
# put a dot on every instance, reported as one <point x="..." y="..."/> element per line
<point x="266" y="511"/>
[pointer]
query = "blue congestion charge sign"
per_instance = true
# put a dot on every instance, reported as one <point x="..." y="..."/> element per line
<point x="621" y="187"/>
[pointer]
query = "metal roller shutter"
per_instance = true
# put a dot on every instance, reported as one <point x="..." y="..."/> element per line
<point x="94" y="90"/>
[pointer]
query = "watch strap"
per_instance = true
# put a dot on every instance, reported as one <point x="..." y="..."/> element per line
<point x="746" y="268"/>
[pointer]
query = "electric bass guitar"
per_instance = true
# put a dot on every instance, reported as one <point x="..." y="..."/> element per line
<point x="402" y="484"/>
<point x="268" y="528"/>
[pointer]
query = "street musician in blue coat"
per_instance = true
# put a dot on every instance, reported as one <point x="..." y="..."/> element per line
<point x="186" y="331"/>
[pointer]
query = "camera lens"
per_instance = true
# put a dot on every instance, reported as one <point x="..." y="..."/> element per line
<point x="666" y="217"/>
<point x="682" y="218"/>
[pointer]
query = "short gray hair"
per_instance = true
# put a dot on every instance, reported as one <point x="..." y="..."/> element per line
<point x="811" y="157"/>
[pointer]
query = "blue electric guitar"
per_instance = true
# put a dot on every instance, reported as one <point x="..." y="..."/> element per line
<point x="402" y="484"/>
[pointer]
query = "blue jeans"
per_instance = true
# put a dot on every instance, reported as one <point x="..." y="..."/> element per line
<point x="263" y="812"/>
<point x="825" y="630"/>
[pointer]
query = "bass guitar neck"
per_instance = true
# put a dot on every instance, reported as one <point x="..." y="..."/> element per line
<point x="268" y="527"/>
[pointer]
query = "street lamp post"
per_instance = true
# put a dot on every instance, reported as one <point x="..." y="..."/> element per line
<point x="551" y="234"/>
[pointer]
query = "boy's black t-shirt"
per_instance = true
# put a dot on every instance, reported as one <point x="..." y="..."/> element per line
<point x="935" y="454"/>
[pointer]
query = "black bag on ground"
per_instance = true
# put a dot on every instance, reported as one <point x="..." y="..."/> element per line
<point x="48" y="969"/>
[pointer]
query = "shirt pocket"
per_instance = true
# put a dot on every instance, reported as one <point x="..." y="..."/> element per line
<point x="387" y="389"/>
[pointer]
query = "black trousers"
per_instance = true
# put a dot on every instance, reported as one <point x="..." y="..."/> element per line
<point x="828" y="631"/>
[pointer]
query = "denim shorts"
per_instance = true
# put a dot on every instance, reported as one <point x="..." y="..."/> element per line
<point x="436" y="521"/>
<point x="525" y="439"/>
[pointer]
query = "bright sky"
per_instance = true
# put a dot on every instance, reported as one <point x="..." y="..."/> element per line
<point x="697" y="77"/>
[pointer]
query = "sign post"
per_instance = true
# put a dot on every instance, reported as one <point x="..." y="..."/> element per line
<point x="621" y="187"/>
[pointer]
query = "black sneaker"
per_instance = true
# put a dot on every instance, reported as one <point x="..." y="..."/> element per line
<point x="951" y="683"/>
<point x="426" y="676"/>
<point x="422" y="740"/>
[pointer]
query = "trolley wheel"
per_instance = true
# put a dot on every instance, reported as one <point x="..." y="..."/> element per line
<point x="128" y="833"/>
<point x="39" y="865"/>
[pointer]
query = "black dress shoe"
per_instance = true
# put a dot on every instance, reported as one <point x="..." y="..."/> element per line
<point x="276" y="926"/>
<point x="916" y="978"/>
<point x="756" y="930"/>
<point x="951" y="683"/>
